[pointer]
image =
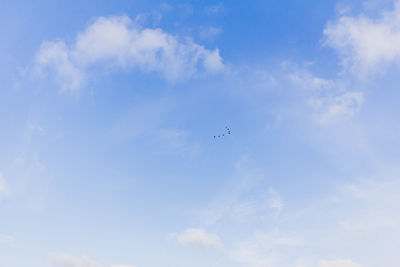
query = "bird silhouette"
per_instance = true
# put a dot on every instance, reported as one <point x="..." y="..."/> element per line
<point x="227" y="131"/>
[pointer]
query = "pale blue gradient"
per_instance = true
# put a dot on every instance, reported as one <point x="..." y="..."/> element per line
<point x="118" y="169"/>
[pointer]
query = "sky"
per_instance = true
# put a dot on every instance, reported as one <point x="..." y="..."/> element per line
<point x="108" y="112"/>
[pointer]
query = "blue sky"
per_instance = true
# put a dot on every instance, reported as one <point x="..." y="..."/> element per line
<point x="108" y="112"/>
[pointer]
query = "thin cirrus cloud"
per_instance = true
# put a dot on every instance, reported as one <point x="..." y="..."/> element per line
<point x="246" y="201"/>
<point x="262" y="248"/>
<point x="3" y="186"/>
<point x="366" y="45"/>
<point x="199" y="237"/>
<point x="380" y="198"/>
<point x="330" y="99"/>
<point x="338" y="263"/>
<point x="332" y="108"/>
<point x="119" y="42"/>
<point x="66" y="260"/>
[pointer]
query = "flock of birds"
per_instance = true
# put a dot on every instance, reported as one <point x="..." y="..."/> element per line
<point x="227" y="131"/>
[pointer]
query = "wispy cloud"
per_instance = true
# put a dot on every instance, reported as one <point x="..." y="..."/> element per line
<point x="326" y="231"/>
<point x="378" y="200"/>
<point x="120" y="43"/>
<point x="366" y="44"/>
<point x="29" y="178"/>
<point x="331" y="108"/>
<point x="261" y="249"/>
<point x="338" y="263"/>
<point x="303" y="78"/>
<point x="199" y="237"/>
<point x="3" y="186"/>
<point x="247" y="199"/>
<point x="330" y="99"/>
<point x="66" y="260"/>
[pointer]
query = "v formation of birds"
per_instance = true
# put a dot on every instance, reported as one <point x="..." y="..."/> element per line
<point x="227" y="131"/>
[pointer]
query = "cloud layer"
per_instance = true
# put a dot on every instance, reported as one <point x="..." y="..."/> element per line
<point x="338" y="263"/>
<point x="330" y="99"/>
<point x="3" y="187"/>
<point x="118" y="42"/>
<point x="338" y="106"/>
<point x="199" y="237"/>
<point x="65" y="260"/>
<point x="366" y="44"/>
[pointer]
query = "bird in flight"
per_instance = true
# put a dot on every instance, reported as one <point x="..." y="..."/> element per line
<point x="227" y="132"/>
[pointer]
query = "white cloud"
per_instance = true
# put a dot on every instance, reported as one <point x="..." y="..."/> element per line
<point x="3" y="186"/>
<point x="55" y="55"/>
<point x="118" y="42"/>
<point x="199" y="237"/>
<point x="378" y="202"/>
<point x="304" y="78"/>
<point x="331" y="108"/>
<point x="274" y="200"/>
<point x="366" y="226"/>
<point x="338" y="263"/>
<point x="262" y="249"/>
<point x="330" y="99"/>
<point x="366" y="44"/>
<point x="325" y="231"/>
<point x="65" y="260"/>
